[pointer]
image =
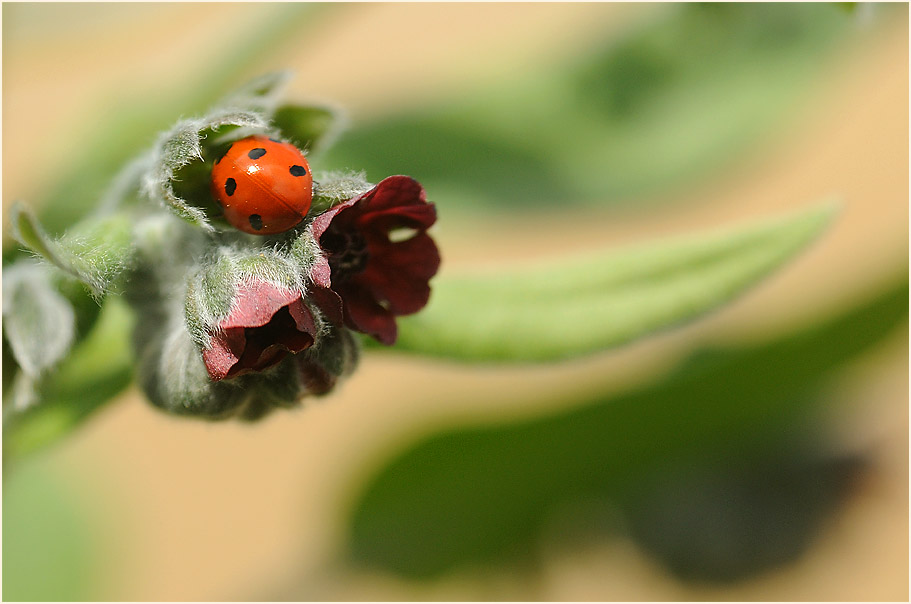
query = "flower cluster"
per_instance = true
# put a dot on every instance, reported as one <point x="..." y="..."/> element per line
<point x="364" y="274"/>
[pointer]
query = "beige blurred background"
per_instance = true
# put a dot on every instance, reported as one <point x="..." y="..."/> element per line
<point x="198" y="511"/>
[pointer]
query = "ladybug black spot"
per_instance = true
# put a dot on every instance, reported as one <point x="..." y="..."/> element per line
<point x="230" y="186"/>
<point x="256" y="221"/>
<point x="298" y="171"/>
<point x="256" y="153"/>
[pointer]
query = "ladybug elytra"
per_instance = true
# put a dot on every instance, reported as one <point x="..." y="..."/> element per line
<point x="263" y="185"/>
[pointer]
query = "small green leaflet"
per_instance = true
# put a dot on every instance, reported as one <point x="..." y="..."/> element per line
<point x="96" y="252"/>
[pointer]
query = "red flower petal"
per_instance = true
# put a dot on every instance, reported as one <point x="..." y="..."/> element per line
<point x="322" y="222"/>
<point x="393" y="192"/>
<point x="321" y="273"/>
<point x="416" y="217"/>
<point x="255" y="302"/>
<point x="266" y="322"/>
<point x="376" y="275"/>
<point x="329" y="302"/>
<point x="399" y="273"/>
<point x="366" y="315"/>
<point x="223" y="353"/>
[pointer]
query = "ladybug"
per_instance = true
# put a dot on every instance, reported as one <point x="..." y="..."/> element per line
<point x="263" y="185"/>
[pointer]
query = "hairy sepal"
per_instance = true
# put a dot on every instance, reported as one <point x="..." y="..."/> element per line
<point x="333" y="188"/>
<point x="181" y="146"/>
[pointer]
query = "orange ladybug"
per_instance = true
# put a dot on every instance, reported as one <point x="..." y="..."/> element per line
<point x="263" y="185"/>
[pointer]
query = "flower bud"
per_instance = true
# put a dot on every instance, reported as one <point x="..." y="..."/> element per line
<point x="172" y="373"/>
<point x="266" y="322"/>
<point x="321" y="367"/>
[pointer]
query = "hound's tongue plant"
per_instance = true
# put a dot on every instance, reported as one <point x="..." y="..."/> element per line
<point x="226" y="323"/>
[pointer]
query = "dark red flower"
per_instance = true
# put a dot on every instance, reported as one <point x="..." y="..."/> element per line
<point x="379" y="258"/>
<point x="266" y="323"/>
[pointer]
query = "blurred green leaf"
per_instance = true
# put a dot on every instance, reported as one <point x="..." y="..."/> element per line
<point x="84" y="307"/>
<point x="48" y="552"/>
<point x="582" y="305"/>
<point x="472" y="495"/>
<point x="97" y="369"/>
<point x="38" y="322"/>
<point x="669" y="103"/>
<point x="259" y="95"/>
<point x="848" y="7"/>
<point x="10" y="366"/>
<point x="725" y="521"/>
<point x="309" y="128"/>
<point x="682" y="98"/>
<point x="455" y="159"/>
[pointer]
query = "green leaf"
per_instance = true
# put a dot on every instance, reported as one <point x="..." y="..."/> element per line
<point x="38" y="322"/>
<point x="676" y="99"/>
<point x="721" y="522"/>
<point x="473" y="495"/>
<point x="259" y="95"/>
<point x="455" y="159"/>
<point x="50" y="538"/>
<point x="96" y="370"/>
<point x="95" y="252"/>
<point x="309" y="128"/>
<point x="582" y="305"/>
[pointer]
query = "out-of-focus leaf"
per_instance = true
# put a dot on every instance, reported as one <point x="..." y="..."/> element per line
<point x="94" y="253"/>
<point x="47" y="545"/>
<point x="583" y="305"/>
<point x="96" y="370"/>
<point x="726" y="522"/>
<point x="848" y="7"/>
<point x="672" y="102"/>
<point x="455" y="160"/>
<point x="38" y="322"/>
<point x="683" y="97"/>
<point x="474" y="495"/>
<point x="310" y="128"/>
<point x="10" y="366"/>
<point x="84" y="306"/>
<point x="260" y="95"/>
